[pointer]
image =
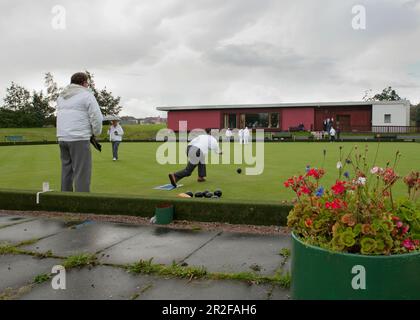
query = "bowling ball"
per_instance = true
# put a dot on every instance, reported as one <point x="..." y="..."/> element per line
<point x="218" y="193"/>
<point x="239" y="170"/>
<point x="208" y="194"/>
<point x="190" y="193"/>
<point x="198" y="195"/>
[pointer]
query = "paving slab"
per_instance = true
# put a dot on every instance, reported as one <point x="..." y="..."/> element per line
<point x="162" y="244"/>
<point x="237" y="252"/>
<point x="34" y="229"/>
<point x="11" y="220"/>
<point x="19" y="270"/>
<point x="179" y="289"/>
<point x="90" y="237"/>
<point x="98" y="283"/>
<point x="279" y="293"/>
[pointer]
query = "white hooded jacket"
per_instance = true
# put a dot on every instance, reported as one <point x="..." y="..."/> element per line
<point x="78" y="114"/>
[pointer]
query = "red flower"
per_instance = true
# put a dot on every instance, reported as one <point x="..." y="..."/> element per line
<point x="316" y="173"/>
<point x="305" y="190"/>
<point x="335" y="204"/>
<point x="339" y="187"/>
<point x="308" y="222"/>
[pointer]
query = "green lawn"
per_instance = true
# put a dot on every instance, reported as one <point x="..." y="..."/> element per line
<point x="41" y="134"/>
<point x="26" y="167"/>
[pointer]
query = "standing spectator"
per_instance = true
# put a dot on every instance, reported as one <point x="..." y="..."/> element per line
<point x="241" y="136"/>
<point x="228" y="134"/>
<point x="78" y="119"/>
<point x="338" y="132"/>
<point x="246" y="135"/>
<point x="332" y="134"/>
<point x="115" y="136"/>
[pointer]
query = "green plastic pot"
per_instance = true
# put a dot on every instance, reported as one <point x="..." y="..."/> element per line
<point x="325" y="275"/>
<point x="164" y="214"/>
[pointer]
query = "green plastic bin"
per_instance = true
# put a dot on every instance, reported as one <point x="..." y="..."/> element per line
<point x="326" y="275"/>
<point x="164" y="214"/>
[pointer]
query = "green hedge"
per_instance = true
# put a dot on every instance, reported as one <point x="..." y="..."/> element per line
<point x="205" y="210"/>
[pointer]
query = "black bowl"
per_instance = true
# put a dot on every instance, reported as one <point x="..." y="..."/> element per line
<point x="218" y="193"/>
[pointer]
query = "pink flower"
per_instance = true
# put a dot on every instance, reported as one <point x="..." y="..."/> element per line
<point x="375" y="170"/>
<point x="410" y="245"/>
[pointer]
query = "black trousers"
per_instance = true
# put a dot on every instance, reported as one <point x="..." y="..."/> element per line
<point x="195" y="158"/>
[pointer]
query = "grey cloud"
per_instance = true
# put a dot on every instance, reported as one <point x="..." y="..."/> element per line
<point x="214" y="51"/>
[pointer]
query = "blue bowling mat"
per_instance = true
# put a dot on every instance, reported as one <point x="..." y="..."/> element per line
<point x="167" y="187"/>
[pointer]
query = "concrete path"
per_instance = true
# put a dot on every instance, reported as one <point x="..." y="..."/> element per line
<point x="26" y="274"/>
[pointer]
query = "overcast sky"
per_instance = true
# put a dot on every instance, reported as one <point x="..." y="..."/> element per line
<point x="187" y="52"/>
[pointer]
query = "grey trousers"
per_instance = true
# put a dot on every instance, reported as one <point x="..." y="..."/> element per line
<point x="76" y="165"/>
<point x="195" y="158"/>
<point x="115" y="146"/>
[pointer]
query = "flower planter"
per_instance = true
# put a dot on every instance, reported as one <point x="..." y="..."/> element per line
<point x="164" y="214"/>
<point x="321" y="274"/>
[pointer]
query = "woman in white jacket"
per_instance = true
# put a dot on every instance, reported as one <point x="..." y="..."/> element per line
<point x="115" y="136"/>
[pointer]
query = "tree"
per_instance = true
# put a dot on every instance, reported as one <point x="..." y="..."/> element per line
<point x="387" y="94"/>
<point x="109" y="104"/>
<point x="17" y="98"/>
<point x="22" y="109"/>
<point x="41" y="108"/>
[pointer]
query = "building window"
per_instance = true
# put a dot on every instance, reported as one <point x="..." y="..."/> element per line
<point x="230" y="121"/>
<point x="274" y="121"/>
<point x="387" y="118"/>
<point x="256" y="120"/>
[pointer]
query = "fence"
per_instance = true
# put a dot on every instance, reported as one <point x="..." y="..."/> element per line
<point x="382" y="129"/>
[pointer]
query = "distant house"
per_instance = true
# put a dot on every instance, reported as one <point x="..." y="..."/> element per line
<point x="152" y="120"/>
<point x="128" y="120"/>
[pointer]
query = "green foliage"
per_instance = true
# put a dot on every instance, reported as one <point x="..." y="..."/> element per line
<point x="17" y="98"/>
<point x="41" y="278"/>
<point x="285" y="252"/>
<point x="81" y="260"/>
<point x="175" y="270"/>
<point x="178" y="271"/>
<point x="387" y="94"/>
<point x="7" y="248"/>
<point x="22" y="109"/>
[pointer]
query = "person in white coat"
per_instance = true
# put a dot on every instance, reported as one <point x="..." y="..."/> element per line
<point x="115" y="133"/>
<point x="228" y="134"/>
<point x="332" y="134"/>
<point x="246" y="135"/>
<point x="78" y="119"/>
<point x="241" y="136"/>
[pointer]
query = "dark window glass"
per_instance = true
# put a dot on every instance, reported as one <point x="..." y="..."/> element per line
<point x="274" y="120"/>
<point x="256" y="120"/>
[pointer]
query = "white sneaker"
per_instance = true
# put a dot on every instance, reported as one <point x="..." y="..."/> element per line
<point x="114" y="159"/>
